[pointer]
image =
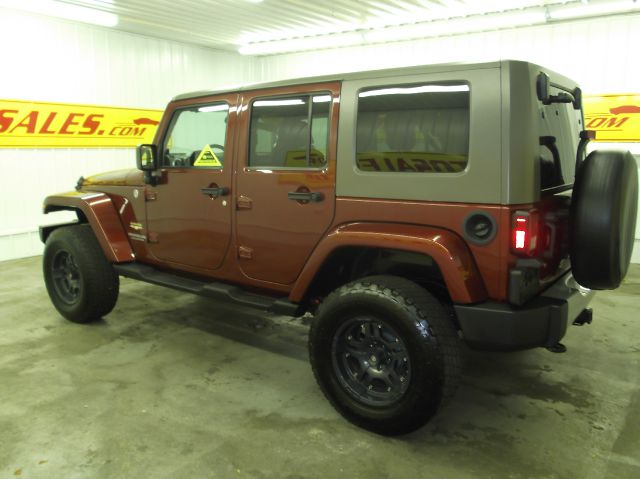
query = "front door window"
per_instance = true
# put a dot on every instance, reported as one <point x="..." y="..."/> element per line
<point x="197" y="137"/>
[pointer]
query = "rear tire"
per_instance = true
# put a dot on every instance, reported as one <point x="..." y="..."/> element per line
<point x="603" y="218"/>
<point x="385" y="353"/>
<point x="81" y="283"/>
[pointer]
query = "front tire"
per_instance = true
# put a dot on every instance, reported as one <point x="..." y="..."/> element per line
<point x="385" y="353"/>
<point x="81" y="283"/>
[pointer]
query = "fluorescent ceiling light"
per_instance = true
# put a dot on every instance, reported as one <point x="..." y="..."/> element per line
<point x="65" y="11"/>
<point x="453" y="18"/>
<point x="592" y="9"/>
<point x="305" y="43"/>
<point x="398" y="33"/>
<point x="295" y="101"/>
<point x="206" y="109"/>
<point x="322" y="99"/>
<point x="413" y="90"/>
<point x="457" y="26"/>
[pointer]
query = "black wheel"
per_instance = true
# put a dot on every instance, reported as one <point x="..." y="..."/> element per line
<point x="603" y="218"/>
<point x="385" y="353"/>
<point x="81" y="283"/>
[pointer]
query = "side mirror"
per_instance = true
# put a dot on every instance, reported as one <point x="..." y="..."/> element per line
<point x="146" y="157"/>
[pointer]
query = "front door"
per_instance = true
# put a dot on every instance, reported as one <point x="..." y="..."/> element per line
<point x="286" y="178"/>
<point x="189" y="211"/>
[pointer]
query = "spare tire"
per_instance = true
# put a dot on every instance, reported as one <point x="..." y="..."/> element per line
<point x="603" y="218"/>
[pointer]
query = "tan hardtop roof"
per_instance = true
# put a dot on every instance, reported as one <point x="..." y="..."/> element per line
<point x="389" y="72"/>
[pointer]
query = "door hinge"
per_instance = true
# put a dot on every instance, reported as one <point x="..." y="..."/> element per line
<point x="150" y="195"/>
<point x="244" y="203"/>
<point x="245" y="252"/>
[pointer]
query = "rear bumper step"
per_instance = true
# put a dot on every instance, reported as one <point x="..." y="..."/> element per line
<point x="221" y="291"/>
<point x="540" y="322"/>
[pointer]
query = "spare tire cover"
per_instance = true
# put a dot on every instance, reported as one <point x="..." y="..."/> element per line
<point x="603" y="218"/>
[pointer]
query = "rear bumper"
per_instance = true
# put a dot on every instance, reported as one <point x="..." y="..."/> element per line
<point x="540" y="322"/>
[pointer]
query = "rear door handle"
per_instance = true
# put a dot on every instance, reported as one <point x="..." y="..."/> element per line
<point x="221" y="191"/>
<point x="305" y="196"/>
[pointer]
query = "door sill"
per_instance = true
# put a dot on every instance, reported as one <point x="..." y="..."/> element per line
<point x="217" y="290"/>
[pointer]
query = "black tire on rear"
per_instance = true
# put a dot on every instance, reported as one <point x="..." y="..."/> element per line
<point x="82" y="284"/>
<point x="387" y="315"/>
<point x="603" y="218"/>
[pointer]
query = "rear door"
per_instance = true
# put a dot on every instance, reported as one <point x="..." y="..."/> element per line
<point x="188" y="211"/>
<point x="285" y="179"/>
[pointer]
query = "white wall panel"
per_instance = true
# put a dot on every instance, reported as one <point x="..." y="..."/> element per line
<point x="53" y="60"/>
<point x="30" y="175"/>
<point x="50" y="60"/>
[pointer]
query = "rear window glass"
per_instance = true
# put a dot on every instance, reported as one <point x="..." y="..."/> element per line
<point x="559" y="127"/>
<point x="421" y="128"/>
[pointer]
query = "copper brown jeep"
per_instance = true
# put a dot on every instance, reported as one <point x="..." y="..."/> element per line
<point x="408" y="210"/>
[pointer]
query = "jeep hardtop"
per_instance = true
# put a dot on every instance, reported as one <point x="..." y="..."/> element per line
<point x="408" y="210"/>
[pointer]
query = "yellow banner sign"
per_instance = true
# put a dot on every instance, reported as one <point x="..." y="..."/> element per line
<point x="25" y="124"/>
<point x="613" y="117"/>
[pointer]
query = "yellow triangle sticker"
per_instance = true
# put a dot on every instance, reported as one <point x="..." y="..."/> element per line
<point x="207" y="158"/>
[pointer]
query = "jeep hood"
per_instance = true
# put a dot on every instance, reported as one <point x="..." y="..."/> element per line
<point x="129" y="177"/>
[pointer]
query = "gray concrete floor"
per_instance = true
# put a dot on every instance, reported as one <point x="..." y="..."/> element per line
<point x="172" y="385"/>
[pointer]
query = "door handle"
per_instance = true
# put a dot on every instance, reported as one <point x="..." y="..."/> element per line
<point x="305" y="196"/>
<point x="221" y="191"/>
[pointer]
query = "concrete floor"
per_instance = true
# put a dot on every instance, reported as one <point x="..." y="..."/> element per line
<point x="172" y="385"/>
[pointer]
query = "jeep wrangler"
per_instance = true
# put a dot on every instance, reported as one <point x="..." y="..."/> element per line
<point x="409" y="210"/>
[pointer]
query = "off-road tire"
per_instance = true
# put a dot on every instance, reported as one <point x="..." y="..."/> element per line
<point x="81" y="283"/>
<point x="423" y="325"/>
<point x="603" y="218"/>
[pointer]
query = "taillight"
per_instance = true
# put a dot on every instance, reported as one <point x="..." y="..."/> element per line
<point x="524" y="232"/>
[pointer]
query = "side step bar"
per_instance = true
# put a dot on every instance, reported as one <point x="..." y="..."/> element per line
<point x="221" y="291"/>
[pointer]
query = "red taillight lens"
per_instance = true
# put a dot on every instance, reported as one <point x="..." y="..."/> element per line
<point x="524" y="232"/>
<point x="521" y="234"/>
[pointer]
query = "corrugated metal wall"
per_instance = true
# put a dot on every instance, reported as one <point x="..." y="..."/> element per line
<point x="600" y="54"/>
<point x="50" y="60"/>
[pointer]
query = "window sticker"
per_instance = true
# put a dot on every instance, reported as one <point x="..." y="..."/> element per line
<point x="207" y="158"/>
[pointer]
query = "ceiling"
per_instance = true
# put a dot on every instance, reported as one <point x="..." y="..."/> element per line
<point x="231" y="24"/>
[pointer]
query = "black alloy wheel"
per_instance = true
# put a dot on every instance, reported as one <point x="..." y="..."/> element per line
<point x="371" y="361"/>
<point x="82" y="284"/>
<point x="66" y="277"/>
<point x="385" y="353"/>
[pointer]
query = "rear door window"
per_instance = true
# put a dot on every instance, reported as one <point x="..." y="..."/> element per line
<point x="290" y="132"/>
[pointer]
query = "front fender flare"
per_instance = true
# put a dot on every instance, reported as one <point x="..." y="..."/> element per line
<point x="447" y="249"/>
<point x="101" y="214"/>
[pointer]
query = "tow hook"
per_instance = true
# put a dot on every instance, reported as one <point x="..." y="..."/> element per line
<point x="584" y="318"/>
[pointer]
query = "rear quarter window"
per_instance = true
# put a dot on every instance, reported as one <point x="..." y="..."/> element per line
<point x="419" y="128"/>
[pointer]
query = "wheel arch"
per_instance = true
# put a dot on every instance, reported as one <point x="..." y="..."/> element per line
<point x="98" y="210"/>
<point x="440" y="254"/>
